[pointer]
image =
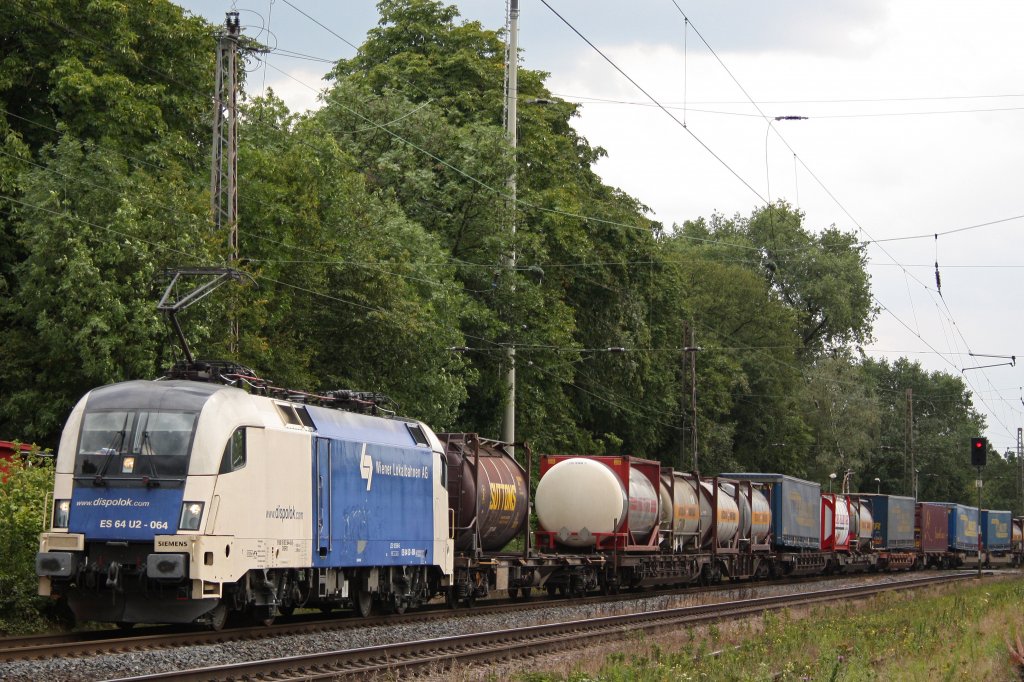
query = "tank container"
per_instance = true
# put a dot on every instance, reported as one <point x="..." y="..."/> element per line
<point x="862" y="523"/>
<point x="580" y="499"/>
<point x="727" y="520"/>
<point x="795" y="508"/>
<point x="755" y="514"/>
<point x="683" y="513"/>
<point x="486" y="491"/>
<point x="835" y="522"/>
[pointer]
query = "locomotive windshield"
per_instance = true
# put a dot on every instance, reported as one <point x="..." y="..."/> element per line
<point x="133" y="444"/>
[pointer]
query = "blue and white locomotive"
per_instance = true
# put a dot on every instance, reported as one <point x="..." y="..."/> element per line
<point x="184" y="501"/>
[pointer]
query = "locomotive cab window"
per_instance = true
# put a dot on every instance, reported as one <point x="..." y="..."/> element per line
<point x="135" y="443"/>
<point x="234" y="452"/>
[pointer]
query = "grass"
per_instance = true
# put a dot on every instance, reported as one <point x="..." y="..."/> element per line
<point x="943" y="633"/>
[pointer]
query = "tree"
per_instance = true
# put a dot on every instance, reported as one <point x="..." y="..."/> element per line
<point x="822" y="277"/>
<point x="84" y="301"/>
<point x="944" y="421"/>
<point x="24" y="488"/>
<point x="104" y="107"/>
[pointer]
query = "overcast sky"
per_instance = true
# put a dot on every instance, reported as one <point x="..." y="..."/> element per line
<point x="915" y="115"/>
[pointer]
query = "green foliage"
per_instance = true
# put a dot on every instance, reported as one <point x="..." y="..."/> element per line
<point x="944" y="420"/>
<point x="953" y="636"/>
<point x="24" y="487"/>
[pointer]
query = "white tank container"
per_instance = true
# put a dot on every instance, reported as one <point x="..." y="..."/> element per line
<point x="579" y="497"/>
<point x="682" y="513"/>
<point x="762" y="517"/>
<point x="728" y="518"/>
<point x="840" y="526"/>
<point x="754" y="523"/>
<point x="861" y="519"/>
<point x="842" y="521"/>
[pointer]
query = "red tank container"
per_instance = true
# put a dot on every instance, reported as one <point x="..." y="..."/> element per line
<point x="604" y="502"/>
<point x="835" y="523"/>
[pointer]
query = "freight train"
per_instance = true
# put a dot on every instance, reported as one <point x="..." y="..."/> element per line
<point x="188" y="501"/>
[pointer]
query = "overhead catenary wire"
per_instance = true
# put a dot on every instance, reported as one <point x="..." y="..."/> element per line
<point x="827" y="191"/>
<point x="482" y="264"/>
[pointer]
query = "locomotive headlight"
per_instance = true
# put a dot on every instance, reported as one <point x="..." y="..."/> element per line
<point x="191" y="514"/>
<point x="61" y="511"/>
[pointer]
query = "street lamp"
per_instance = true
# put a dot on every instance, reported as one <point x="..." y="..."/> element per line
<point x="878" y="485"/>
<point x="831" y="477"/>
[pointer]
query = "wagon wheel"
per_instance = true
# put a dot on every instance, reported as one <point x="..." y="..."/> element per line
<point x="526" y="593"/>
<point x="513" y="593"/>
<point x="364" y="603"/>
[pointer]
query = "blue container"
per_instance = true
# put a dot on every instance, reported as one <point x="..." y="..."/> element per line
<point x="963" y="526"/>
<point x="373" y="490"/>
<point x="796" y="509"/>
<point x="995" y="530"/>
<point x="894" y="521"/>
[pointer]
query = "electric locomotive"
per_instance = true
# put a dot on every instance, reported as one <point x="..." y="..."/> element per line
<point x="183" y="501"/>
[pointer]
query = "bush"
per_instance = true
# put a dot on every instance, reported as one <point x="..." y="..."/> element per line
<point x="23" y="495"/>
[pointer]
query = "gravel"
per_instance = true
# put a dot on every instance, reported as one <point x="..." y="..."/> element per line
<point x="113" y="666"/>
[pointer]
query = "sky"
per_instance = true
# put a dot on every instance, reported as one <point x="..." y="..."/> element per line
<point x="912" y="136"/>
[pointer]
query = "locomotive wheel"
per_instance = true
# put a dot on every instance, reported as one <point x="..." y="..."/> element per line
<point x="364" y="603"/>
<point x="397" y="605"/>
<point x="218" y="617"/>
<point x="261" y="615"/>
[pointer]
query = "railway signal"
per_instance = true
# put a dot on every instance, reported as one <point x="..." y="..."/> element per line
<point x="979" y="448"/>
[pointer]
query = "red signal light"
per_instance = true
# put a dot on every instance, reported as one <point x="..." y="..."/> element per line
<point x="979" y="448"/>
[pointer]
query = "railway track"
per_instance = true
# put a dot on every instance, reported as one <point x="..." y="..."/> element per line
<point x="440" y="653"/>
<point x="100" y="642"/>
